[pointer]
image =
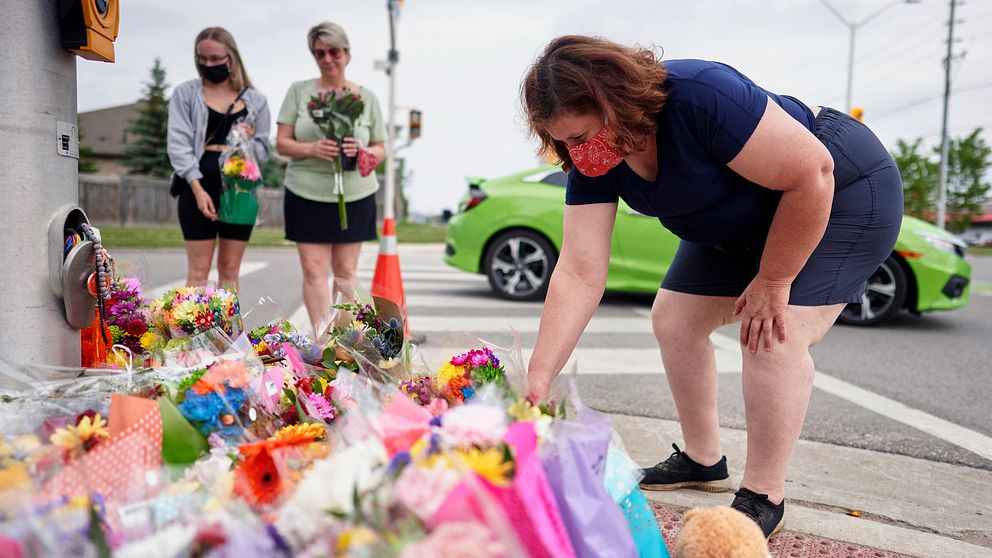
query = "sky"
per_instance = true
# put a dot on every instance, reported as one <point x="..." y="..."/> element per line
<point x="461" y="62"/>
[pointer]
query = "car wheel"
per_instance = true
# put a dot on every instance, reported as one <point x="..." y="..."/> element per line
<point x="884" y="296"/>
<point x="519" y="263"/>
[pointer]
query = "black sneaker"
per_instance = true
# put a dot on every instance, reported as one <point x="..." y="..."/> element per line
<point x="767" y="515"/>
<point x="679" y="471"/>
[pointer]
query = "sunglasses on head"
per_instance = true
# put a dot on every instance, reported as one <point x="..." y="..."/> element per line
<point x="334" y="52"/>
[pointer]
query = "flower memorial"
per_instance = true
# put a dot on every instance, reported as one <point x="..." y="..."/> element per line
<point x="336" y="113"/>
<point x="261" y="449"/>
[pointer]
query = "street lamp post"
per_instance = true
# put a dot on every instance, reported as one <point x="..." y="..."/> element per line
<point x="852" y="27"/>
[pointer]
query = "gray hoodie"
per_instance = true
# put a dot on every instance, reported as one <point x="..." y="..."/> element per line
<point x="188" y="127"/>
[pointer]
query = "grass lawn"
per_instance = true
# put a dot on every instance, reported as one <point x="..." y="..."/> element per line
<point x="171" y="237"/>
<point x="980" y="250"/>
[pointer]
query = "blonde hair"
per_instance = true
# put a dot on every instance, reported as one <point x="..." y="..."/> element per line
<point x="331" y="33"/>
<point x="239" y="77"/>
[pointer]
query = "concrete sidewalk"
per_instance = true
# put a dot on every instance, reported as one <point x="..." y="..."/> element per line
<point x="907" y="506"/>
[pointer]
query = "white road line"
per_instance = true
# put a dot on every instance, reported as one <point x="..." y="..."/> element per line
<point x="596" y="361"/>
<point x="886" y="407"/>
<point x="523" y="324"/>
<point x="889" y="408"/>
<point x="468" y="303"/>
<point x="427" y="276"/>
<point x="247" y="268"/>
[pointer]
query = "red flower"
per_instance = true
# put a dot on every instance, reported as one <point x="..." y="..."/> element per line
<point x="256" y="478"/>
<point x="304" y="385"/>
<point x="136" y="327"/>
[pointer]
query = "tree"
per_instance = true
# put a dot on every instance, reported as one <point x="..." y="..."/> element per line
<point x="273" y="170"/>
<point x="86" y="162"/>
<point x="968" y="162"/>
<point x="145" y="152"/>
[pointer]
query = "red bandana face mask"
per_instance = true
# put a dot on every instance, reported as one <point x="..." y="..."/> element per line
<point x="594" y="157"/>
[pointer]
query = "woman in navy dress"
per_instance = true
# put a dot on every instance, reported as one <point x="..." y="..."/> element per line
<point x="784" y="210"/>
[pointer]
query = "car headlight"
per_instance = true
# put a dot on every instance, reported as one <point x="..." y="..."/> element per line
<point x="948" y="244"/>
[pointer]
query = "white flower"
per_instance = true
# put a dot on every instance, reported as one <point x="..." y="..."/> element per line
<point x="330" y="486"/>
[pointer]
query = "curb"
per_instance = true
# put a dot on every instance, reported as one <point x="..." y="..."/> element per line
<point x="909" y="506"/>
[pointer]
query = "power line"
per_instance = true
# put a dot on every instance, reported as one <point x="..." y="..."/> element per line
<point x="902" y="68"/>
<point x="926" y="30"/>
<point x="931" y="98"/>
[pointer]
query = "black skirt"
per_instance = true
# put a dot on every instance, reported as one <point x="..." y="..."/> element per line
<point x="318" y="222"/>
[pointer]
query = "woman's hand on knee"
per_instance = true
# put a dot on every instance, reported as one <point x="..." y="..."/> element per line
<point x="763" y="308"/>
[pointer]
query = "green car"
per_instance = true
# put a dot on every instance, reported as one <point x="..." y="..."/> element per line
<point x="510" y="229"/>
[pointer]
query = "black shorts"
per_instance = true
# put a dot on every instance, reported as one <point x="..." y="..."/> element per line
<point x="194" y="225"/>
<point x="319" y="222"/>
<point x="864" y="223"/>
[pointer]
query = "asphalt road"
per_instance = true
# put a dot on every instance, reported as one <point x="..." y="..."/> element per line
<point x="938" y="364"/>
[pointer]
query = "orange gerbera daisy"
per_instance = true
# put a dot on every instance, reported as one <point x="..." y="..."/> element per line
<point x="256" y="478"/>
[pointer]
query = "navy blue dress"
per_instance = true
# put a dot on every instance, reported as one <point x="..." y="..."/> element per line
<point x="723" y="219"/>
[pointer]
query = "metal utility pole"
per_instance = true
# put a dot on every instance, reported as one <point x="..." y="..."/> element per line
<point x="852" y="27"/>
<point x="389" y="195"/>
<point x="37" y="119"/>
<point x="942" y="201"/>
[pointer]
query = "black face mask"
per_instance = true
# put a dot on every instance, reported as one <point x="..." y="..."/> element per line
<point x="214" y="74"/>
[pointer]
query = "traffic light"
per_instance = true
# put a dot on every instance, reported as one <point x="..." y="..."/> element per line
<point x="89" y="27"/>
<point x="414" y="124"/>
<point x="858" y="114"/>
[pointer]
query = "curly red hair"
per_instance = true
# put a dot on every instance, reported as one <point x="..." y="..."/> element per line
<point x="580" y="74"/>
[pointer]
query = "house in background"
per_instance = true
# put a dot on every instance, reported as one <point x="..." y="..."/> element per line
<point x="105" y="133"/>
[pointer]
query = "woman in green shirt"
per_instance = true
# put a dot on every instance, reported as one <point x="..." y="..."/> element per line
<point x="311" y="202"/>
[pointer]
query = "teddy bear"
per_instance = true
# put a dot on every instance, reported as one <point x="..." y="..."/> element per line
<point x="720" y="532"/>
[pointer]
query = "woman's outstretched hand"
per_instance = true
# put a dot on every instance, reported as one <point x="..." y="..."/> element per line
<point x="763" y="310"/>
<point x="538" y="386"/>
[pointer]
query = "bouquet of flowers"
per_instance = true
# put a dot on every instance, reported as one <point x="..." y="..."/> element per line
<point x="126" y="313"/>
<point x="241" y="175"/>
<point x="458" y="380"/>
<point x="336" y="113"/>
<point x="268" y="339"/>
<point x="184" y="312"/>
<point x="371" y="336"/>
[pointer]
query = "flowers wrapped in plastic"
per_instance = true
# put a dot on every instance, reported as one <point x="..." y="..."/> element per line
<point x="368" y="338"/>
<point x="241" y="176"/>
<point x="181" y="314"/>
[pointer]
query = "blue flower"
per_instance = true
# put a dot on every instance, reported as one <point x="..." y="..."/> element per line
<point x="468" y="392"/>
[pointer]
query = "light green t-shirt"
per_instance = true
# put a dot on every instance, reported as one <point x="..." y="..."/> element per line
<point x="312" y="178"/>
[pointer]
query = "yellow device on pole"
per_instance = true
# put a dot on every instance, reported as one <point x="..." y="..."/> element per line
<point x="89" y="27"/>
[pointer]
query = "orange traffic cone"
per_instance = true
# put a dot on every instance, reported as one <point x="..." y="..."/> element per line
<point x="387" y="282"/>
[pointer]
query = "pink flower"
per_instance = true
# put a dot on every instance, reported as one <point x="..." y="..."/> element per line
<point x="474" y="425"/>
<point x="457" y="539"/>
<point x="438" y="407"/>
<point x="477" y="358"/>
<point x="422" y="490"/>
<point x="321" y="407"/>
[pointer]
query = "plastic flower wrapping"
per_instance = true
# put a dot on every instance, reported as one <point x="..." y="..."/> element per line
<point x="259" y="448"/>
<point x="180" y="315"/>
<point x="241" y="175"/>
